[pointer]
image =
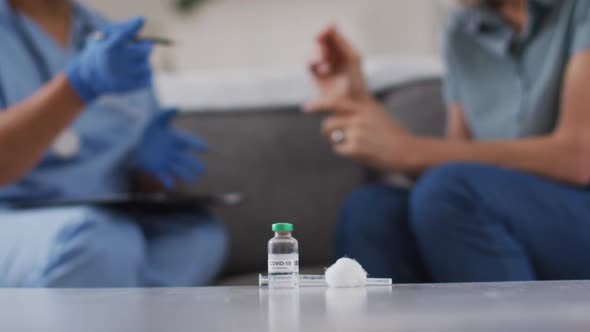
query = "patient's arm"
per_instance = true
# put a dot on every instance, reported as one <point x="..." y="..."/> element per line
<point x="337" y="66"/>
<point x="28" y="128"/>
<point x="457" y="128"/>
<point x="563" y="155"/>
<point x="377" y="140"/>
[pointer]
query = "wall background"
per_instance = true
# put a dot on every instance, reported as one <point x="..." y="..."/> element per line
<point x="238" y="34"/>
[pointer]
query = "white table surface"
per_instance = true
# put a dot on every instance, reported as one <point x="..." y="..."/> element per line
<point x="539" y="306"/>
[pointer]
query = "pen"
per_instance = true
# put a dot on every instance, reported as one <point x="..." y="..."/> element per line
<point x="156" y="40"/>
<point x="99" y="35"/>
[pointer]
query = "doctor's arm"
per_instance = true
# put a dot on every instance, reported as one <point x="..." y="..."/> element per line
<point x="377" y="140"/>
<point x="116" y="64"/>
<point x="27" y="129"/>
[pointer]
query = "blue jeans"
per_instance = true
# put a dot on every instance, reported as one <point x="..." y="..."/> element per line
<point x="92" y="247"/>
<point x="469" y="222"/>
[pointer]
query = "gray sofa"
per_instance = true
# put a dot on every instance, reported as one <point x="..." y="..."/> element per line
<point x="288" y="173"/>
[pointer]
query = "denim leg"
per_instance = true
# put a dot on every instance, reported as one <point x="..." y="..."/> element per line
<point x="483" y="223"/>
<point x="374" y="230"/>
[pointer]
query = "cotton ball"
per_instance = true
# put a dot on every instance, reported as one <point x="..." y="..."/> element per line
<point x="346" y="272"/>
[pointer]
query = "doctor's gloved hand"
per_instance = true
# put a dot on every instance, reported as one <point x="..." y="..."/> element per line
<point x="167" y="154"/>
<point x="115" y="64"/>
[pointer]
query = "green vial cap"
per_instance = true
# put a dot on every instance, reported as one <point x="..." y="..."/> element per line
<point x="282" y="227"/>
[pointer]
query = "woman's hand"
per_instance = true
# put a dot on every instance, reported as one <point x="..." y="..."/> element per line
<point x="360" y="129"/>
<point x="337" y="67"/>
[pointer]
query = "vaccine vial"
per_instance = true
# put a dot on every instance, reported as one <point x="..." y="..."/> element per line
<point x="283" y="258"/>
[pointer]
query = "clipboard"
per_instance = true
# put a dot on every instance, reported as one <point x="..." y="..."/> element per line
<point x="149" y="203"/>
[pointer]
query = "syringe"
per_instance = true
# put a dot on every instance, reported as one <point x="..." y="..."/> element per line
<point x="317" y="280"/>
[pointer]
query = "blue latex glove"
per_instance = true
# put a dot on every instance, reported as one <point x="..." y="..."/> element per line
<point x="165" y="153"/>
<point x="115" y="64"/>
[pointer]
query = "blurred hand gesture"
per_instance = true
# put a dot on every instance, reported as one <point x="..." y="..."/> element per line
<point x="337" y="67"/>
<point x="168" y="154"/>
<point x="358" y="126"/>
<point x="360" y="129"/>
<point x="114" y="65"/>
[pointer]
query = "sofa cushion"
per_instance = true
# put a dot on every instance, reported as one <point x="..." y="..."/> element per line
<point x="287" y="172"/>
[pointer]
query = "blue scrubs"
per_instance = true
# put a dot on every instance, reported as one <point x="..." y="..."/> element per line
<point x="86" y="246"/>
<point x="470" y="222"/>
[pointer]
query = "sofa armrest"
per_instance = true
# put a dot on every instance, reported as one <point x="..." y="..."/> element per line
<point x="418" y="105"/>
